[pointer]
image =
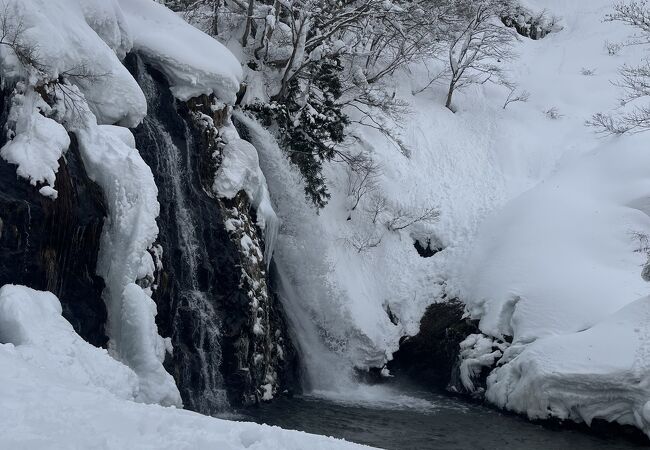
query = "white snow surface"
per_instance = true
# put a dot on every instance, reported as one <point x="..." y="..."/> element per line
<point x="193" y="62"/>
<point x="562" y="256"/>
<point x="602" y="372"/>
<point x="38" y="142"/>
<point x="557" y="268"/>
<point x="33" y="330"/>
<point x="59" y="392"/>
<point x="83" y="40"/>
<point x="537" y="218"/>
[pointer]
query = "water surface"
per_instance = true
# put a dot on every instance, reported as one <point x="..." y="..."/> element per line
<point x="422" y="420"/>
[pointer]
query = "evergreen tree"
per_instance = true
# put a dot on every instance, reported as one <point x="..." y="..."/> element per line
<point x="310" y="123"/>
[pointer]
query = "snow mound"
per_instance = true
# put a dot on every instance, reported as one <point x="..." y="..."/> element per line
<point x="31" y="328"/>
<point x="559" y="270"/>
<point x="239" y="171"/>
<point x="602" y="372"/>
<point x="80" y="40"/>
<point x="562" y="256"/>
<point x="59" y="392"/>
<point x="38" y="142"/>
<point x="193" y="62"/>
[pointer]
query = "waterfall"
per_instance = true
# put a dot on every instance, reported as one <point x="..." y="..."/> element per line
<point x="323" y="368"/>
<point x="187" y="296"/>
<point x="300" y="272"/>
<point x="205" y="327"/>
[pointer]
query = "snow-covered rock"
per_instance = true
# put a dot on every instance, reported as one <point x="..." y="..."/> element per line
<point x="193" y="62"/>
<point x="599" y="373"/>
<point x="60" y="392"/>
<point x="37" y="142"/>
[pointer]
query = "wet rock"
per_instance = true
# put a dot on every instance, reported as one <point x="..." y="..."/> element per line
<point x="53" y="245"/>
<point x="431" y="355"/>
<point x="230" y="342"/>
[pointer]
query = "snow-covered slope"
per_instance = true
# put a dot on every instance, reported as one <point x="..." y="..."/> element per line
<point x="355" y="277"/>
<point x="558" y="268"/>
<point x="537" y="221"/>
<point x="58" y="392"/>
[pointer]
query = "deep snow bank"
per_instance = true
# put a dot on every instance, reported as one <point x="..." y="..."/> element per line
<point x="601" y="373"/>
<point x="60" y="392"/>
<point x="562" y="256"/>
<point x="192" y="61"/>
<point x="557" y="269"/>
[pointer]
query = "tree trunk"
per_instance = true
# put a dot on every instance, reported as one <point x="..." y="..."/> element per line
<point x="215" y="17"/>
<point x="297" y="48"/>
<point x="249" y="22"/>
<point x="450" y="93"/>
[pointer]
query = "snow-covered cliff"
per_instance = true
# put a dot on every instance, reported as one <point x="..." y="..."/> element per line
<point x="191" y="225"/>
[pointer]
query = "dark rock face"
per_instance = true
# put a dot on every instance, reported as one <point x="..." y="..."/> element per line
<point x="211" y="291"/>
<point x="52" y="245"/>
<point x="428" y="248"/>
<point x="431" y="356"/>
<point x="528" y="25"/>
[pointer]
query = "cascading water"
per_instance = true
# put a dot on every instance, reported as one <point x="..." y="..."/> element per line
<point x="326" y="368"/>
<point x="323" y="369"/>
<point x="229" y="337"/>
<point x="205" y="320"/>
<point x="186" y="293"/>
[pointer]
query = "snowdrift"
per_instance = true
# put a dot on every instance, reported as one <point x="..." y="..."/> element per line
<point x="60" y="392"/>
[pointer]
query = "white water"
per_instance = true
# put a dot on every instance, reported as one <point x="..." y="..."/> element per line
<point x="176" y="172"/>
<point x="327" y="366"/>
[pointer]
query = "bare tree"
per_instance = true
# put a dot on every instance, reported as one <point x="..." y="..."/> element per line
<point x="249" y="22"/>
<point x="362" y="242"/>
<point x="636" y="14"/>
<point x="376" y="207"/>
<point x="644" y="248"/>
<point x="362" y="173"/>
<point x="477" y="45"/>
<point x="553" y="113"/>
<point x="516" y="96"/>
<point x="12" y="29"/>
<point x="402" y="218"/>
<point x="634" y="80"/>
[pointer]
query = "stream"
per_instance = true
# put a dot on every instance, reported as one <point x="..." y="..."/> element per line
<point x="411" y="419"/>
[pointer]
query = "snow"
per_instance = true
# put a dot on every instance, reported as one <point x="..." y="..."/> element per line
<point x="476" y="352"/>
<point x="129" y="232"/>
<point x="81" y="39"/>
<point x="33" y="330"/>
<point x="568" y="260"/>
<point x="601" y="372"/>
<point x="59" y="392"/>
<point x="193" y="62"/>
<point x="558" y="267"/>
<point x="37" y="142"/>
<point x="240" y="171"/>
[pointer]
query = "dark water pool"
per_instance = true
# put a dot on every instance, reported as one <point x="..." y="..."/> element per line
<point x="425" y="421"/>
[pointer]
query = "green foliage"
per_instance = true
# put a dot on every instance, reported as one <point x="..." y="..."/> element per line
<point x="309" y="123"/>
